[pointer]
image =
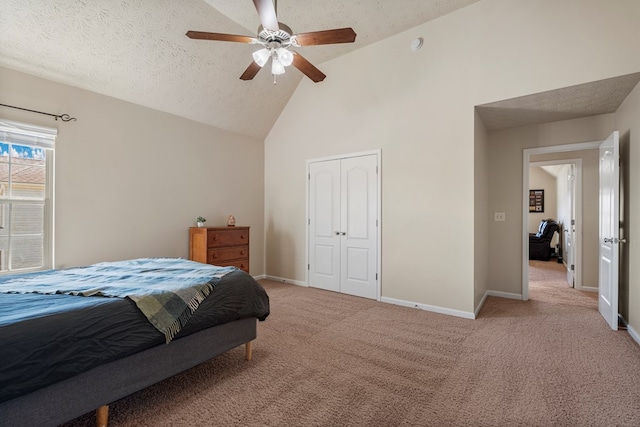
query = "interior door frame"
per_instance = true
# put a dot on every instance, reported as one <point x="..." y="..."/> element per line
<point x="526" y="160"/>
<point x="378" y="154"/>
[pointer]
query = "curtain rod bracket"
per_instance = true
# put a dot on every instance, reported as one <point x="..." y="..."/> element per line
<point x="63" y="117"/>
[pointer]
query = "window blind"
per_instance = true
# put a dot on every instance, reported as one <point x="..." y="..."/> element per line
<point x="25" y="134"/>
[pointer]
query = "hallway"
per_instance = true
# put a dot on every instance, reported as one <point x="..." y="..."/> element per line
<point x="548" y="283"/>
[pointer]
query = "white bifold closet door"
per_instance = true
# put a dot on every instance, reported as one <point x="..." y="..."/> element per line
<point x="343" y="225"/>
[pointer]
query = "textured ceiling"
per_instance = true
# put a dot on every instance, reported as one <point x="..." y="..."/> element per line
<point x="589" y="99"/>
<point x="136" y="50"/>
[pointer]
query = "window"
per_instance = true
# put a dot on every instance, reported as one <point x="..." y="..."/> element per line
<point x="26" y="197"/>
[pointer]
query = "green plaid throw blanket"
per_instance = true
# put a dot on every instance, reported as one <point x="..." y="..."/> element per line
<point x="166" y="290"/>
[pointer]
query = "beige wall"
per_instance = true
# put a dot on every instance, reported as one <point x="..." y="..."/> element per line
<point x="131" y="180"/>
<point x="418" y="107"/>
<point x="628" y="123"/>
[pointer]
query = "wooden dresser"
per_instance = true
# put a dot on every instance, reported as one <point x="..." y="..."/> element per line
<point x="221" y="246"/>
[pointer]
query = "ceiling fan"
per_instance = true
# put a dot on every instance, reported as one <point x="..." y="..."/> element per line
<point x="276" y="38"/>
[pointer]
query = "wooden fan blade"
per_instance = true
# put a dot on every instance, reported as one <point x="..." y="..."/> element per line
<point x="201" y="35"/>
<point x="339" y="35"/>
<point x="307" y="68"/>
<point x="267" y="13"/>
<point x="251" y="71"/>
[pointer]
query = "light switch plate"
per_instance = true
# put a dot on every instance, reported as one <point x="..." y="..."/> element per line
<point x="499" y="216"/>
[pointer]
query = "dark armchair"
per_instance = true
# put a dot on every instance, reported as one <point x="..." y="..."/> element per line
<point x="540" y="242"/>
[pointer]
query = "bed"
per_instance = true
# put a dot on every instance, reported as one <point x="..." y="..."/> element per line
<point x="70" y="345"/>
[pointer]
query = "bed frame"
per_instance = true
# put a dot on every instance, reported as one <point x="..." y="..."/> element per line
<point x="96" y="388"/>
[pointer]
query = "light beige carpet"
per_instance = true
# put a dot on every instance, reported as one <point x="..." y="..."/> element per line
<point x="325" y="359"/>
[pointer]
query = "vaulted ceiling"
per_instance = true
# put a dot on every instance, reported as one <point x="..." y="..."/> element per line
<point x="137" y="51"/>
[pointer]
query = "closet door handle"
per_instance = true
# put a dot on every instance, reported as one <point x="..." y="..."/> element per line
<point x="344" y="233"/>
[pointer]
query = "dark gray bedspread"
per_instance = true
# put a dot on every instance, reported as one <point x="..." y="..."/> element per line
<point x="47" y="338"/>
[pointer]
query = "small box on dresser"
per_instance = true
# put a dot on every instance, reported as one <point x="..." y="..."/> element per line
<point x="223" y="246"/>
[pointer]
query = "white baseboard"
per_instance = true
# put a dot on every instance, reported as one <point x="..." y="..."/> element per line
<point x="442" y="310"/>
<point x="630" y="330"/>
<point x="283" y="280"/>
<point x="479" y="307"/>
<point x="588" y="289"/>
<point x="499" y="294"/>
<point x="633" y="334"/>
<point x="433" y="308"/>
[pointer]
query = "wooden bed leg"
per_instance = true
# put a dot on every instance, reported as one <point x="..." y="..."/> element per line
<point x="102" y="416"/>
<point x="249" y="348"/>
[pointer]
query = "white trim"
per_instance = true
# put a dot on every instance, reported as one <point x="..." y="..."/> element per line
<point x="283" y="280"/>
<point x="634" y="334"/>
<point x="432" y="308"/>
<point x="526" y="156"/>
<point x="500" y="294"/>
<point x="480" y="305"/>
<point x="378" y="154"/>
<point x="630" y="330"/>
<point x="344" y="156"/>
<point x="27" y="134"/>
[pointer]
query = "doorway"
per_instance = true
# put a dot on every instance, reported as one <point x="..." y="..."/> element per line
<point x="580" y="239"/>
<point x="559" y="184"/>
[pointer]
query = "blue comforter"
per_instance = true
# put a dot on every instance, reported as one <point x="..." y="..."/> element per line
<point x="166" y="290"/>
<point x="45" y="338"/>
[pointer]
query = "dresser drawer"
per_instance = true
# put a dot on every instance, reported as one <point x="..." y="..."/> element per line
<point x="222" y="238"/>
<point x="242" y="264"/>
<point x="217" y="255"/>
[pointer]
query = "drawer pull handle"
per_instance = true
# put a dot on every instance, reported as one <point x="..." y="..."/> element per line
<point x="242" y="236"/>
<point x="215" y="256"/>
<point x="241" y="252"/>
<point x="215" y="237"/>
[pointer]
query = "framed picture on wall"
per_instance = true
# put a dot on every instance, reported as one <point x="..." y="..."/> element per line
<point x="536" y="200"/>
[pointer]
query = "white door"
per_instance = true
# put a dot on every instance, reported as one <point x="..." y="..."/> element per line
<point x="324" y="225"/>
<point x="609" y="230"/>
<point x="359" y="232"/>
<point x="343" y="229"/>
<point x="570" y="228"/>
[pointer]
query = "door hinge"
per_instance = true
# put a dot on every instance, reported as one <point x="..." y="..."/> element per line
<point x="376" y="169"/>
<point x="376" y="276"/>
<point x="573" y="267"/>
<point x="309" y="221"/>
<point x="308" y="266"/>
<point x="573" y="222"/>
<point x="309" y="177"/>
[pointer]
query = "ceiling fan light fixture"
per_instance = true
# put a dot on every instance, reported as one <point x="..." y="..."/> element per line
<point x="277" y="67"/>
<point x="276" y="38"/>
<point x="284" y="56"/>
<point x="261" y="56"/>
